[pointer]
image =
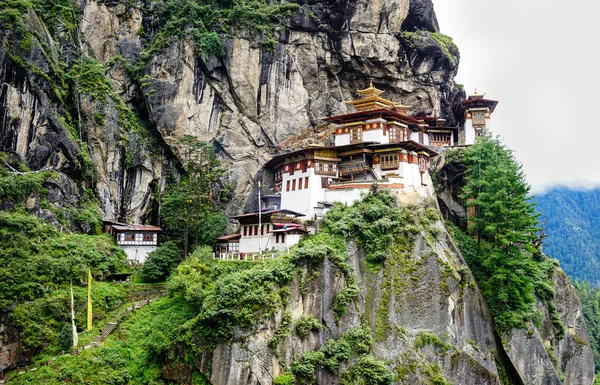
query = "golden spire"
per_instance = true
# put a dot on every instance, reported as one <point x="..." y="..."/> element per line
<point x="371" y="91"/>
<point x="476" y="95"/>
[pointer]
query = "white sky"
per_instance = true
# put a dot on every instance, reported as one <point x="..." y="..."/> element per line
<point x="541" y="60"/>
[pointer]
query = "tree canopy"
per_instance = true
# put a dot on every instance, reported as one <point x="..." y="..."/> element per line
<point x="504" y="253"/>
<point x="191" y="209"/>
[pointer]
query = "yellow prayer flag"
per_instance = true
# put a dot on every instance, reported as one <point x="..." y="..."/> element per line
<point x="89" y="307"/>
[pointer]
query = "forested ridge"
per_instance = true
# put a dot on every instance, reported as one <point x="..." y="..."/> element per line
<point x="572" y="223"/>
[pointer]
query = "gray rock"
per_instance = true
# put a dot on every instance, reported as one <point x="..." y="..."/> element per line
<point x="421" y="16"/>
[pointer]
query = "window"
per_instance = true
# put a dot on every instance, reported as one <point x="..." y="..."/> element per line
<point x="294" y="185"/>
<point x="287" y="186"/>
<point x="262" y="229"/>
<point x="303" y="166"/>
<point x="129" y="237"/>
<point x="324" y="182"/>
<point x="300" y="184"/>
<point x="440" y="139"/>
<point x="306" y="182"/>
<point x="479" y="118"/>
<point x="148" y="237"/>
<point x="394" y="133"/>
<point x="255" y="229"/>
<point x="278" y="175"/>
<point x="276" y="238"/>
<point x="356" y="134"/>
<point x="282" y="238"/>
<point x="389" y="161"/>
<point x="245" y="230"/>
<point x="421" y="137"/>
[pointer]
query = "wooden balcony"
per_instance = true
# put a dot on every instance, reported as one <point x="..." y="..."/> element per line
<point x="353" y="167"/>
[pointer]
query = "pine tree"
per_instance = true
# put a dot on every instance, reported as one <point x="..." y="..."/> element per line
<point x="505" y="224"/>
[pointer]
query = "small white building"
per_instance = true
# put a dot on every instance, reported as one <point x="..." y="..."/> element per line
<point x="136" y="240"/>
<point x="474" y="116"/>
<point x="269" y="230"/>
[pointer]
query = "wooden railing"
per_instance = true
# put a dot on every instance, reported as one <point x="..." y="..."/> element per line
<point x="353" y="167"/>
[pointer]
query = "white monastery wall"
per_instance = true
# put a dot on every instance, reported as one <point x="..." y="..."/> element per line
<point x="137" y="254"/>
<point x="342" y="139"/>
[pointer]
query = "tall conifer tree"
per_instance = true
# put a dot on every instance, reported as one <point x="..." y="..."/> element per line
<point x="503" y="220"/>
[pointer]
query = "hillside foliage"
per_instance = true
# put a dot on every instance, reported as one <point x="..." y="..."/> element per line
<point x="503" y="249"/>
<point x="590" y="304"/>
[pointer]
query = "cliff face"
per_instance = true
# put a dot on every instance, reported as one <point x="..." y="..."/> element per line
<point x="247" y="101"/>
<point x="425" y="292"/>
<point x="429" y="321"/>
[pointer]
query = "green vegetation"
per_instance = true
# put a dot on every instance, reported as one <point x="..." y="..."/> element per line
<point x="161" y="262"/>
<point x="191" y="209"/>
<point x="356" y="343"/>
<point x="305" y="324"/>
<point x="426" y="338"/>
<point x="590" y="304"/>
<point x="368" y="371"/>
<point x="134" y="354"/>
<point x="376" y="222"/>
<point x="421" y="39"/>
<point x="206" y="21"/>
<point x="284" y="330"/>
<point x="504" y="250"/>
<point x="284" y="379"/>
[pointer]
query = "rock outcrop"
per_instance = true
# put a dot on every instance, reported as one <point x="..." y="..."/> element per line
<point x="246" y="102"/>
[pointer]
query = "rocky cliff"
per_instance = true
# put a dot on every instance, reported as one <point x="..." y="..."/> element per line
<point x="113" y="127"/>
<point x="428" y="320"/>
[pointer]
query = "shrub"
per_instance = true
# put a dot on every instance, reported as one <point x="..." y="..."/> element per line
<point x="161" y="262"/>
<point x="284" y="379"/>
<point x="306" y="324"/>
<point x="65" y="337"/>
<point x="368" y="371"/>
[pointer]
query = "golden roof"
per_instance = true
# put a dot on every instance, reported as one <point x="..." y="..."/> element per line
<point x="476" y="95"/>
<point x="371" y="100"/>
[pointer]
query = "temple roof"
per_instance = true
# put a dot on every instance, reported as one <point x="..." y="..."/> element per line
<point x="461" y="108"/>
<point x="127" y="227"/>
<point x="229" y="237"/>
<point x="385" y="113"/>
<point x="409" y="145"/>
<point x="269" y="212"/>
<point x="371" y="100"/>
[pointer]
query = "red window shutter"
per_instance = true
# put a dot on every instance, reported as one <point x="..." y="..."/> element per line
<point x="306" y="182"/>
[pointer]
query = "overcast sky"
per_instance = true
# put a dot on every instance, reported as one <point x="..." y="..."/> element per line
<point x="540" y="60"/>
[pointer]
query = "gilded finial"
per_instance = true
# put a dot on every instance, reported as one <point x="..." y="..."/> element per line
<point x="371" y="83"/>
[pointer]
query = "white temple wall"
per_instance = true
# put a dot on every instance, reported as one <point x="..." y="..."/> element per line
<point x="342" y="139"/>
<point x="251" y="244"/>
<point x="346" y="196"/>
<point x="305" y="200"/>
<point x="469" y="132"/>
<point x="426" y="139"/>
<point x="375" y="136"/>
<point x="138" y="254"/>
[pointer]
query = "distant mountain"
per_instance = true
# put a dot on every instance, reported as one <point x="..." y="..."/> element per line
<point x="573" y="228"/>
